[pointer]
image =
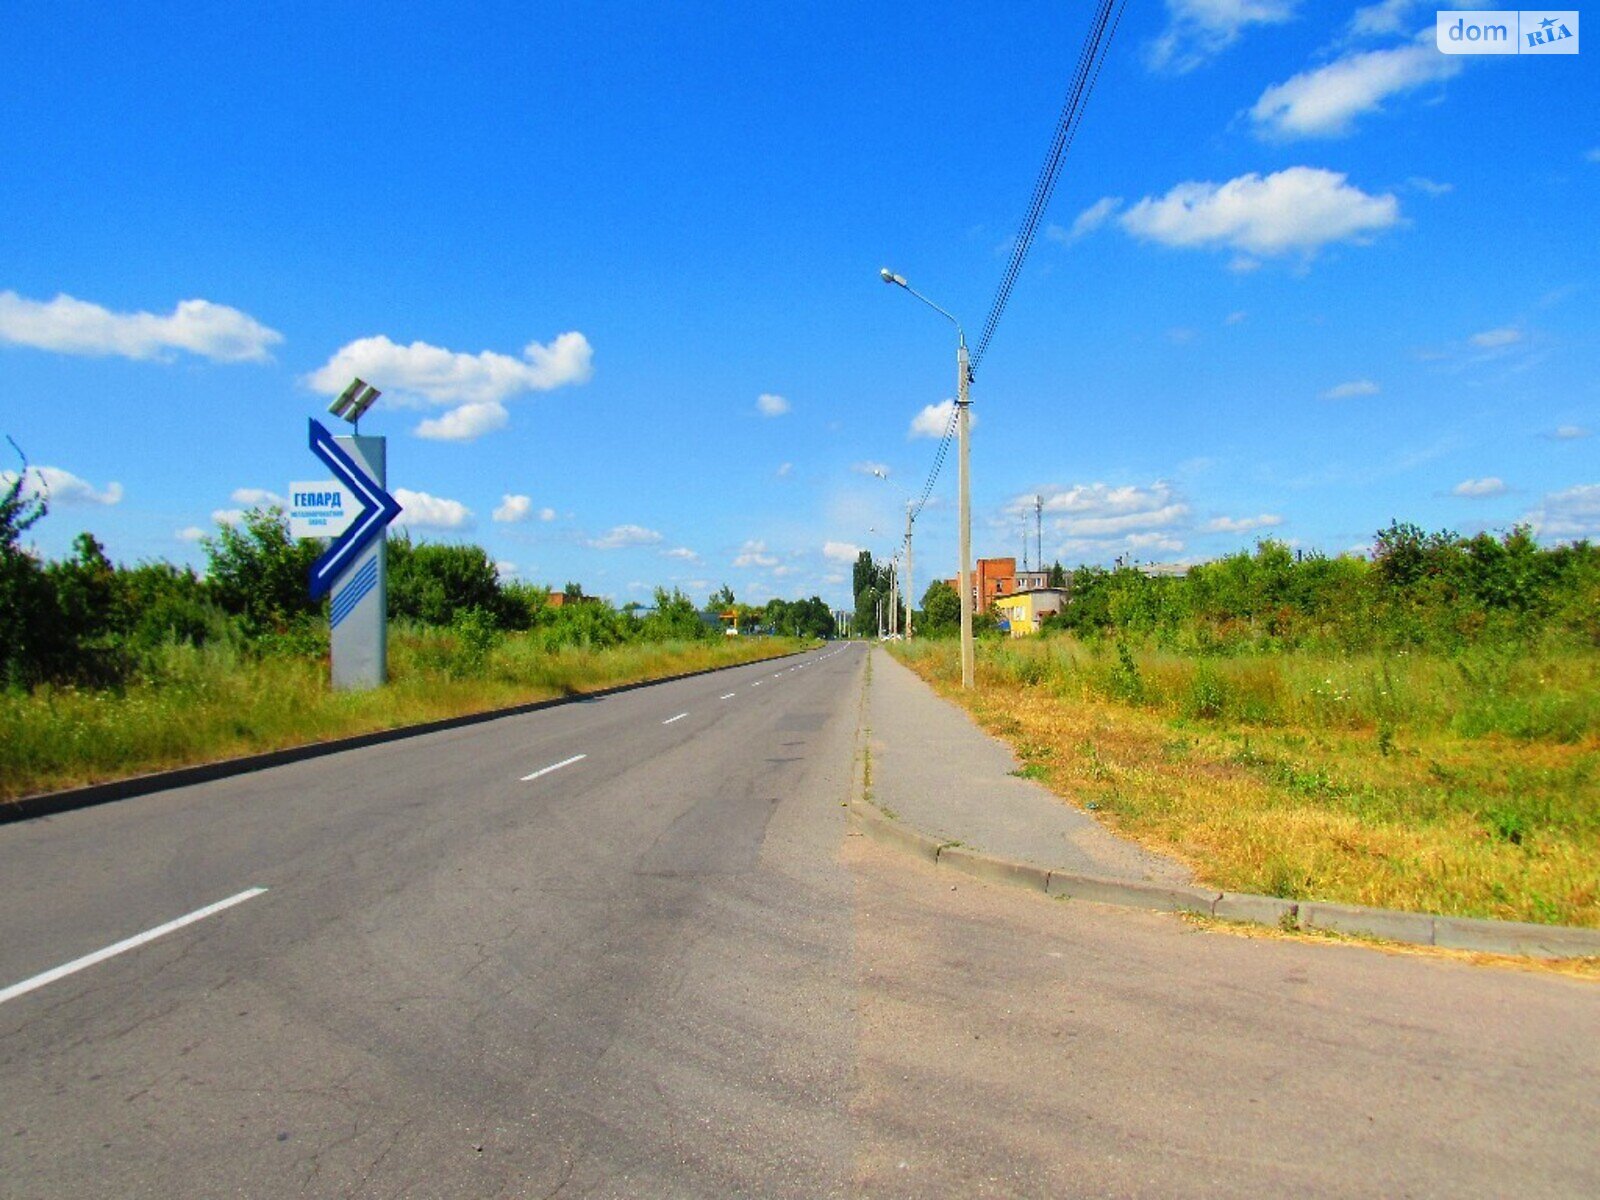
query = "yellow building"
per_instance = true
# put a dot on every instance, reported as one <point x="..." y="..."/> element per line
<point x="1023" y="612"/>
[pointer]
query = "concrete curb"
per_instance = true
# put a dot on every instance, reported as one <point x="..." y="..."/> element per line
<point x="1417" y="929"/>
<point x="45" y="804"/>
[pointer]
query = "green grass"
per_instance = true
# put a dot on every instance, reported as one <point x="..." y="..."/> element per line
<point x="1466" y="784"/>
<point x="219" y="702"/>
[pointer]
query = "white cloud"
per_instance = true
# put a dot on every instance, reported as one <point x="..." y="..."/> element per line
<point x="770" y="405"/>
<point x="1107" y="526"/>
<point x="257" y="498"/>
<point x="513" y="508"/>
<point x="466" y="423"/>
<point x="683" y="552"/>
<point x="1096" y="521"/>
<point x="620" y="537"/>
<point x="840" y="552"/>
<point x="784" y="469"/>
<point x="1243" y="524"/>
<point x="1568" y="433"/>
<point x="1154" y="543"/>
<point x="1569" y="514"/>
<point x="934" y="419"/>
<point x="1096" y="499"/>
<point x="754" y="554"/>
<point x="227" y="516"/>
<point x="547" y="514"/>
<point x="871" y="468"/>
<point x="192" y="533"/>
<point x="1326" y="100"/>
<point x="1356" y="387"/>
<point x="1478" y="488"/>
<point x="69" y="326"/>
<point x="1235" y="318"/>
<point x="1198" y="30"/>
<point x="1593" y="155"/>
<point x="447" y="377"/>
<point x="1496" y="339"/>
<point x="63" y="487"/>
<point x="475" y="384"/>
<point x="1086" y="222"/>
<point x="422" y="511"/>
<point x="504" y="569"/>
<point x="1429" y="187"/>
<point x="1297" y="209"/>
<point x="1385" y="17"/>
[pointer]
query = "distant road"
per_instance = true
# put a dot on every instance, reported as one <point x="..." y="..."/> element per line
<point x="626" y="947"/>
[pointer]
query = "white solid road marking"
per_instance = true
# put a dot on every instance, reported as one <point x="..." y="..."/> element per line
<point x="566" y="762"/>
<point x="138" y="939"/>
<point x="679" y="717"/>
<point x="729" y="696"/>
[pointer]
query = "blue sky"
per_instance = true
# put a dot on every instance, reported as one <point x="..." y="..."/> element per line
<point x="615" y="269"/>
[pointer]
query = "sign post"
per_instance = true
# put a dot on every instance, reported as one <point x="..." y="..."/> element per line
<point x="354" y="510"/>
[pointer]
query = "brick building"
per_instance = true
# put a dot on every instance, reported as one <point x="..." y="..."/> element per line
<point x="993" y="578"/>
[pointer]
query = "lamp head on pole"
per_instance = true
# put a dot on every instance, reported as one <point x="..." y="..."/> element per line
<point x="889" y="276"/>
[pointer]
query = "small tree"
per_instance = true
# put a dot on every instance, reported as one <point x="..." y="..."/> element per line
<point x="674" y="619"/>
<point x="261" y="574"/>
<point x="24" y="591"/>
<point x="941" y="610"/>
<point x="433" y="583"/>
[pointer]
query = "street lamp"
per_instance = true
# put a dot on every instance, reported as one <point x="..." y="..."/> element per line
<point x="911" y="590"/>
<point x="963" y="423"/>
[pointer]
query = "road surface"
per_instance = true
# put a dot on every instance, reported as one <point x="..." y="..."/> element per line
<point x="628" y="947"/>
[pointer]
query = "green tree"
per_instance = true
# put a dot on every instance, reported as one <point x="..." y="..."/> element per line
<point x="260" y="574"/>
<point x="675" y="619"/>
<point x="721" y="599"/>
<point x="941" y="611"/>
<point x="25" y="598"/>
<point x="431" y="583"/>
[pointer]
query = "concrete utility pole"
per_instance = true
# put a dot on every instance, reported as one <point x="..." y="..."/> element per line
<point x="963" y="429"/>
<point x="911" y="589"/>
<point x="963" y="432"/>
<point x="894" y="592"/>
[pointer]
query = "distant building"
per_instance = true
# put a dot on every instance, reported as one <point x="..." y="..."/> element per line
<point x="993" y="578"/>
<point x="1023" y="613"/>
<point x="1163" y="570"/>
<point x="562" y="599"/>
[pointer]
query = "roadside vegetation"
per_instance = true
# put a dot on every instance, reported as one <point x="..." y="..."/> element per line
<point x="1421" y="731"/>
<point x="109" y="670"/>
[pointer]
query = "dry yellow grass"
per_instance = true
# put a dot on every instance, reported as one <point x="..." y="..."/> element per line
<point x="1307" y="812"/>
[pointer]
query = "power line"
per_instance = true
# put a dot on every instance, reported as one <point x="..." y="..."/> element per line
<point x="1091" y="58"/>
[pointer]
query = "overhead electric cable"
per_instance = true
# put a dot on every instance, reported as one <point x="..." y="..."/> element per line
<point x="1097" y="43"/>
<point x="1091" y="57"/>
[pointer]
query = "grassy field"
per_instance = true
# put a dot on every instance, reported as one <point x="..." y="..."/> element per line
<point x="1465" y="785"/>
<point x="219" y="702"/>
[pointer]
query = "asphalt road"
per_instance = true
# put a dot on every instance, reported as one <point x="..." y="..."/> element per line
<point x="484" y="965"/>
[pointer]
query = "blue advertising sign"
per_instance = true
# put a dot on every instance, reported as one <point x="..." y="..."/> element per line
<point x="377" y="509"/>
